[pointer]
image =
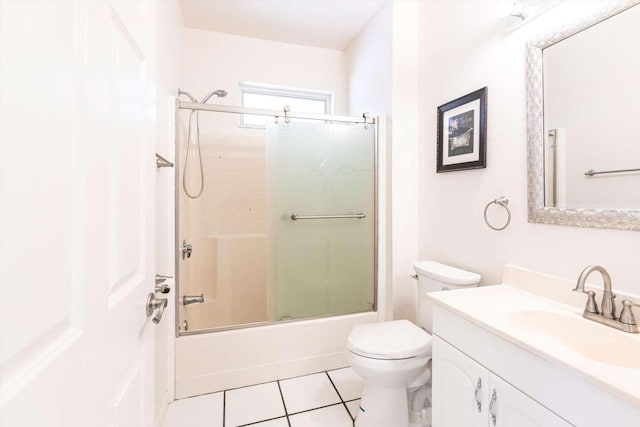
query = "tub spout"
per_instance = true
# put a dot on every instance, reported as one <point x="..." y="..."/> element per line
<point x="193" y="299"/>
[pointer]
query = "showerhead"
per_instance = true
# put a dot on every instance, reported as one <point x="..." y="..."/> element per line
<point x="219" y="93"/>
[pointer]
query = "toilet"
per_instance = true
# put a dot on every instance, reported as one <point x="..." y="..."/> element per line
<point x="394" y="358"/>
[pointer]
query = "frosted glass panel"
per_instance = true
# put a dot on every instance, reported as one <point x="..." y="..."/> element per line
<point x="320" y="266"/>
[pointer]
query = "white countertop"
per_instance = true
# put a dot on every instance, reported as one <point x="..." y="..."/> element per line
<point x="555" y="332"/>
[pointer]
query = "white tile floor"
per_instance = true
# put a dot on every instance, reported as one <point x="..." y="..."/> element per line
<point x="325" y="399"/>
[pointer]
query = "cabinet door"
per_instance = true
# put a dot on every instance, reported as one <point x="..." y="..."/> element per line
<point x="509" y="407"/>
<point x="460" y="388"/>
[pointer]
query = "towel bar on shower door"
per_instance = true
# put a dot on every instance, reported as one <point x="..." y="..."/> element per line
<point x="358" y="215"/>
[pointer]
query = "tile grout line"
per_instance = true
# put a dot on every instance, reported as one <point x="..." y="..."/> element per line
<point x="340" y="396"/>
<point x="261" y="421"/>
<point x="252" y="385"/>
<point x="334" y="386"/>
<point x="268" y="382"/>
<point x="286" y="414"/>
<point x="262" y="383"/>
<point x="315" y="409"/>
<point x="224" y="398"/>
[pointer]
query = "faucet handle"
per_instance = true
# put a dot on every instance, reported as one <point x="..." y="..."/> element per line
<point x="626" y="315"/>
<point x="592" y="306"/>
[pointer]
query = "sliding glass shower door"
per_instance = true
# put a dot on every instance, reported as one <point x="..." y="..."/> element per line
<point x="321" y="218"/>
<point x="285" y="225"/>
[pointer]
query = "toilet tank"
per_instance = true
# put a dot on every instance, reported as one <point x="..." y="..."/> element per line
<point x="435" y="277"/>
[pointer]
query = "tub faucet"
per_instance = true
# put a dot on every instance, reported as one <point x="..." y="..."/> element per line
<point x="193" y="299"/>
<point x="607" y="315"/>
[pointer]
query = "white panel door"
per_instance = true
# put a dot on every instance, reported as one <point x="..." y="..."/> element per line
<point x="76" y="212"/>
<point x="460" y="388"/>
<point x="509" y="407"/>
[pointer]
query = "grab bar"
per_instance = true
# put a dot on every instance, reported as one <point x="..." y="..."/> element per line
<point x="296" y="217"/>
<point x="591" y="172"/>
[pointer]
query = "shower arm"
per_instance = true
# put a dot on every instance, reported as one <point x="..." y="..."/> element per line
<point x="187" y="94"/>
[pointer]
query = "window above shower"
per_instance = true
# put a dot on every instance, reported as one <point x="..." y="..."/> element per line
<point x="271" y="97"/>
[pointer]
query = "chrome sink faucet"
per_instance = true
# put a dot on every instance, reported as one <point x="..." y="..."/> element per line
<point x="607" y="316"/>
<point x="608" y="308"/>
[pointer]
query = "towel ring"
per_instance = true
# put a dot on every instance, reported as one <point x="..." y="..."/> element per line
<point x="501" y="201"/>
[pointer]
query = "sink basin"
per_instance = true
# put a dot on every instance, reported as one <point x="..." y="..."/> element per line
<point x="592" y="340"/>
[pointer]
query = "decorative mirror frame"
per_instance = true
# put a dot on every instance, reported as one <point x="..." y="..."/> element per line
<point x="620" y="219"/>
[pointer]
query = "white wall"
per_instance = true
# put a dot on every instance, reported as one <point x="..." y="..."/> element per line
<point x="383" y="76"/>
<point x="169" y="65"/>
<point x="220" y="61"/>
<point x="369" y="62"/>
<point x="480" y="53"/>
<point x="369" y="59"/>
<point x="404" y="161"/>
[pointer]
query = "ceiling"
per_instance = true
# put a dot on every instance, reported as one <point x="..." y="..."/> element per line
<point x="330" y="24"/>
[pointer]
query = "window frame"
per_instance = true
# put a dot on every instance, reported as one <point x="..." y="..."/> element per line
<point x="285" y="91"/>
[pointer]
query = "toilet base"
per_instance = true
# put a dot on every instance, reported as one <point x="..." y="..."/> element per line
<point x="388" y="386"/>
<point x="383" y="406"/>
<point x="420" y="406"/>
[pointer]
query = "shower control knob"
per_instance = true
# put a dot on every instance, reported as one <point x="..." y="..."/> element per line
<point x="163" y="288"/>
<point x="187" y="249"/>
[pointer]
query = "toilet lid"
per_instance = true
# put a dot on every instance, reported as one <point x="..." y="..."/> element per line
<point x="398" y="339"/>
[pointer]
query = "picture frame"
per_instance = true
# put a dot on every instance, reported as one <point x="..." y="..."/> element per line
<point x="462" y="133"/>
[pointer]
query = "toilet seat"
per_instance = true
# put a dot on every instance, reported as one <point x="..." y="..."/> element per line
<point x="394" y="340"/>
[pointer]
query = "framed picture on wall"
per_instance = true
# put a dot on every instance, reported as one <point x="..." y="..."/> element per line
<point x="462" y="133"/>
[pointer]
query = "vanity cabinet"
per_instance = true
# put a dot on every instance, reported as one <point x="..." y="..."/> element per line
<point x="548" y="365"/>
<point x="465" y="393"/>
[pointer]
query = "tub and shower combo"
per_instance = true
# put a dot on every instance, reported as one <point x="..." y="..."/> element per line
<point x="277" y="235"/>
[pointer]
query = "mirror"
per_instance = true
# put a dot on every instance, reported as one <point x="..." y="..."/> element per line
<point x="583" y="94"/>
